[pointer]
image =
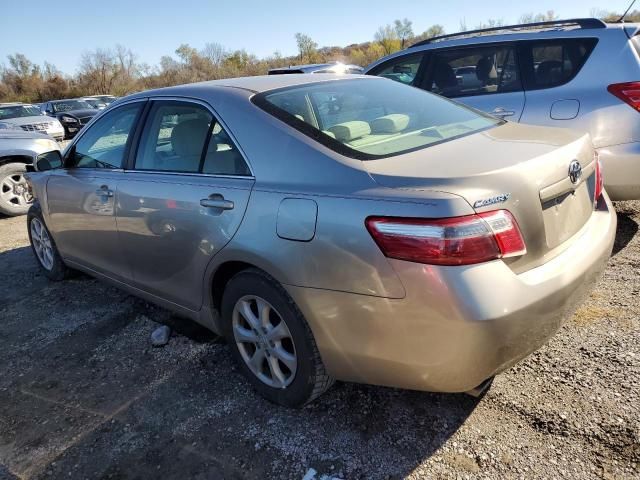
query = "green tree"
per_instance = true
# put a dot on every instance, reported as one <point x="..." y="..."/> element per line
<point x="388" y="39"/>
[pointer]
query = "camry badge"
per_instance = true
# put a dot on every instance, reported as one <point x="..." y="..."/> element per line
<point x="503" y="197"/>
<point x="575" y="171"/>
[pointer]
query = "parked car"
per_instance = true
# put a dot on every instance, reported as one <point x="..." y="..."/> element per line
<point x="346" y="228"/>
<point x="18" y="149"/>
<point x="559" y="73"/>
<point x="336" y="67"/>
<point x="73" y="114"/>
<point x="26" y="117"/>
<point x="95" y="102"/>
<point x="108" y="99"/>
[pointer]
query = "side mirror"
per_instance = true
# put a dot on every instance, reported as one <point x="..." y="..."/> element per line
<point x="48" y="161"/>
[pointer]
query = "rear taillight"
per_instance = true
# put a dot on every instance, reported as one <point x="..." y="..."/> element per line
<point x="599" y="179"/>
<point x="628" y="92"/>
<point x="448" y="241"/>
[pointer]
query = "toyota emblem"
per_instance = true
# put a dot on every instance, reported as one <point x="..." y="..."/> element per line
<point x="575" y="171"/>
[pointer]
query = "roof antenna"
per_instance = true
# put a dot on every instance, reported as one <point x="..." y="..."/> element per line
<point x="621" y="19"/>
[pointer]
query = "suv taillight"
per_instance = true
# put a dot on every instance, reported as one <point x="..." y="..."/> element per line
<point x="599" y="179"/>
<point x="628" y="92"/>
<point x="449" y="241"/>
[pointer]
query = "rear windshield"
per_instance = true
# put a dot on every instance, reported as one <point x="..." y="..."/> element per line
<point x="372" y="118"/>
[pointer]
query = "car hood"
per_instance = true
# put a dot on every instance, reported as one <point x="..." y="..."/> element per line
<point x="86" y="112"/>
<point x="20" y="134"/>
<point x="28" y="120"/>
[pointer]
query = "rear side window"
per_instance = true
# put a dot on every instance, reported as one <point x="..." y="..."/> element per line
<point x="474" y="71"/>
<point x="185" y="137"/>
<point x="402" y="69"/>
<point x="553" y="63"/>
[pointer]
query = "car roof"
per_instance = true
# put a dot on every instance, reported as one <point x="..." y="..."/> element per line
<point x="255" y="84"/>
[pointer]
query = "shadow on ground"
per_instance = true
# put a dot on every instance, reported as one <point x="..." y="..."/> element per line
<point x="627" y="228"/>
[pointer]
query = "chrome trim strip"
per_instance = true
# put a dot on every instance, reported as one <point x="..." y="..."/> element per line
<point x="188" y="174"/>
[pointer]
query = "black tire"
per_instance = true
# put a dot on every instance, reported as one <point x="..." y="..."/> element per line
<point x="58" y="271"/>
<point x="11" y="203"/>
<point x="311" y="378"/>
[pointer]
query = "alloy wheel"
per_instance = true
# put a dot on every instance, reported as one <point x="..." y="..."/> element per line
<point x="14" y="190"/>
<point x="264" y="341"/>
<point x="41" y="243"/>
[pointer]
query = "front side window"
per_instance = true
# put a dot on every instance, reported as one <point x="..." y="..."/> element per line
<point x="371" y="118"/>
<point x="474" y="71"/>
<point x="403" y="69"/>
<point x="104" y="144"/>
<point x="555" y="62"/>
<point x="185" y="137"/>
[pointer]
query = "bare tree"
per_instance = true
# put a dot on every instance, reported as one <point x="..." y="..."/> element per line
<point x="215" y="53"/>
<point x="404" y="30"/>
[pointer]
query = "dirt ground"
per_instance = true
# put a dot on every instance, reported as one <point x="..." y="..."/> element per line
<point x="83" y="394"/>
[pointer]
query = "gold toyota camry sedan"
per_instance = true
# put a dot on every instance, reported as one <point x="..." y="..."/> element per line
<point x="332" y="227"/>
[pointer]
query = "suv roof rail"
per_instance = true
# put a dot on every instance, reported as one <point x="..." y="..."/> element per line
<point x="586" y="23"/>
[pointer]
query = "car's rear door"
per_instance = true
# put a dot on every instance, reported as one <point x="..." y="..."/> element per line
<point x="494" y="86"/>
<point x="82" y="196"/>
<point x="182" y="198"/>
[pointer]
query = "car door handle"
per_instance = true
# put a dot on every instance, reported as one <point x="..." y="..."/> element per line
<point x="104" y="191"/>
<point x="220" y="203"/>
<point x="501" y="112"/>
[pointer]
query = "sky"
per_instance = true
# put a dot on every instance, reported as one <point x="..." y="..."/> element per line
<point x="59" y="32"/>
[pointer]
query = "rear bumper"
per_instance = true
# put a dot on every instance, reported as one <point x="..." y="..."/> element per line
<point x="621" y="170"/>
<point x="456" y="326"/>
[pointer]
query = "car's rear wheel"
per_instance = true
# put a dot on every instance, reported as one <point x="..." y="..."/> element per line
<point x="44" y="248"/>
<point x="15" y="197"/>
<point x="271" y="340"/>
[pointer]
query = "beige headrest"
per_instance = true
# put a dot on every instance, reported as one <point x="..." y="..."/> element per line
<point x="187" y="138"/>
<point x="394" y="123"/>
<point x="328" y="133"/>
<point x="347" y="131"/>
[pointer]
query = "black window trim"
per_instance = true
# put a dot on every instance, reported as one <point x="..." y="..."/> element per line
<point x="72" y="147"/>
<point x="129" y="165"/>
<point x="260" y="101"/>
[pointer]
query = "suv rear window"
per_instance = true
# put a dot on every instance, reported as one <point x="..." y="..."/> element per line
<point x="551" y="63"/>
<point x="372" y="118"/>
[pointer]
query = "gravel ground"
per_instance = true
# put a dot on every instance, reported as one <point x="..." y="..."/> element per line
<point x="83" y="394"/>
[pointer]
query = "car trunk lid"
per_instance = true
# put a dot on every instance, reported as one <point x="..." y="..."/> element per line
<point x="523" y="169"/>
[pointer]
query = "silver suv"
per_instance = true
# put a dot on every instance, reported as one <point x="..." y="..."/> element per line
<point x="582" y="74"/>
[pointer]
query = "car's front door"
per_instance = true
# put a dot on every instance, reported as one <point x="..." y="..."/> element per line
<point x="82" y="197"/>
<point x="181" y="199"/>
<point x="485" y="77"/>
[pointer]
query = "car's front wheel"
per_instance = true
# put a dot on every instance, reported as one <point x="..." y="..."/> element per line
<point x="271" y="340"/>
<point x="44" y="248"/>
<point x="15" y="197"/>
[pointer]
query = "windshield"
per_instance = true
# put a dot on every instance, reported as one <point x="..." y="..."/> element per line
<point x="17" y="111"/>
<point x="69" y="105"/>
<point x="367" y="118"/>
<point x="95" y="103"/>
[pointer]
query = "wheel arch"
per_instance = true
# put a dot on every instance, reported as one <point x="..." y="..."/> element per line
<point x="7" y="159"/>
